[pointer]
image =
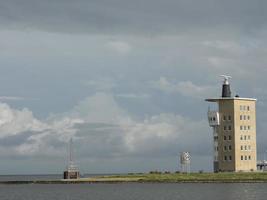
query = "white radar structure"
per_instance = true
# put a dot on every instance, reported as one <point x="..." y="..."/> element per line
<point x="226" y="79"/>
<point x="185" y="161"/>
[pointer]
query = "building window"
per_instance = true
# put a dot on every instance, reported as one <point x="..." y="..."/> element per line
<point x="225" y="158"/>
<point x="245" y="147"/>
<point x="249" y="157"/>
<point x="241" y="147"/>
<point x="225" y="148"/>
<point x="230" y="128"/>
<point x="248" y="108"/>
<point x="241" y="137"/>
<point x="230" y="158"/>
<point x="244" y="107"/>
<point x="241" y="117"/>
<point x="248" y="127"/>
<point x="241" y="107"/>
<point x="229" y="118"/>
<point x="229" y="147"/>
<point x="245" y="117"/>
<point x="224" y="137"/>
<point x="224" y="128"/>
<point x="248" y="117"/>
<point x="245" y="127"/>
<point x="246" y="157"/>
<point x="229" y="137"/>
<point x="245" y="137"/>
<point x="241" y="128"/>
<point x="241" y="157"/>
<point x="224" y="118"/>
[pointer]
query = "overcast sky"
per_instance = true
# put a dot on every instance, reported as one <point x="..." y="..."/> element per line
<point x="125" y="79"/>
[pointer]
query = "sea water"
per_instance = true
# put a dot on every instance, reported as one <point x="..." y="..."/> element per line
<point x="130" y="191"/>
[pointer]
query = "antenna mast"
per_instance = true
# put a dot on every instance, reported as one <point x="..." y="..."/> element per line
<point x="72" y="171"/>
<point x="71" y="152"/>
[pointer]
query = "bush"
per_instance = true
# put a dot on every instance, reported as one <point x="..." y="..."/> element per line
<point x="155" y="172"/>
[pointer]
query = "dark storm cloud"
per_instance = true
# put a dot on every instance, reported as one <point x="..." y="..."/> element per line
<point x="127" y="16"/>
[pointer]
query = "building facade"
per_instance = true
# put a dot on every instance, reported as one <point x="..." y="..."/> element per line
<point x="234" y="132"/>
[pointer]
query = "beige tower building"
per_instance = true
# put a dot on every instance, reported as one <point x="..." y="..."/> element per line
<point x="234" y="131"/>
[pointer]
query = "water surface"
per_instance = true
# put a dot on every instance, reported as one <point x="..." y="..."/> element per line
<point x="134" y="191"/>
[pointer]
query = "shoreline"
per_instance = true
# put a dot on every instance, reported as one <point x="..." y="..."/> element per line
<point x="127" y="182"/>
<point x="240" y="177"/>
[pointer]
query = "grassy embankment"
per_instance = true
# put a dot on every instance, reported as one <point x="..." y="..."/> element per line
<point x="252" y="177"/>
<point x="193" y="177"/>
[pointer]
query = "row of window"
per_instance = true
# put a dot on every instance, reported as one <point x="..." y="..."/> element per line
<point x="244" y="128"/>
<point x="229" y="128"/>
<point x="229" y="148"/>
<point x="242" y="137"/>
<point x="244" y="117"/>
<point x="245" y="148"/>
<point x="242" y="148"/>
<point x="229" y="118"/>
<point x="229" y="137"/>
<point x="245" y="108"/>
<point x="245" y="137"/>
<point x="227" y="158"/>
<point x="246" y="157"/>
<point x="213" y="119"/>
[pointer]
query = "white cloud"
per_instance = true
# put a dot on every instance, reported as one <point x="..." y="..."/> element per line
<point x="100" y="108"/>
<point x="167" y="132"/>
<point x="13" y="121"/>
<point x="101" y="127"/>
<point x="11" y="98"/>
<point x="120" y="47"/>
<point x="102" y="84"/>
<point x="227" y="45"/>
<point x="185" y="88"/>
<point x="133" y="96"/>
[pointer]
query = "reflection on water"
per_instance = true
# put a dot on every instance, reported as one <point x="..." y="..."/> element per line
<point x="133" y="191"/>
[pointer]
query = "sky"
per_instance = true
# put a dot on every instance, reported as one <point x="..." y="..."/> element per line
<point x="125" y="79"/>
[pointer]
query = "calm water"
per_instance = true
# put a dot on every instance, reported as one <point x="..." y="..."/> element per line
<point x="135" y="191"/>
